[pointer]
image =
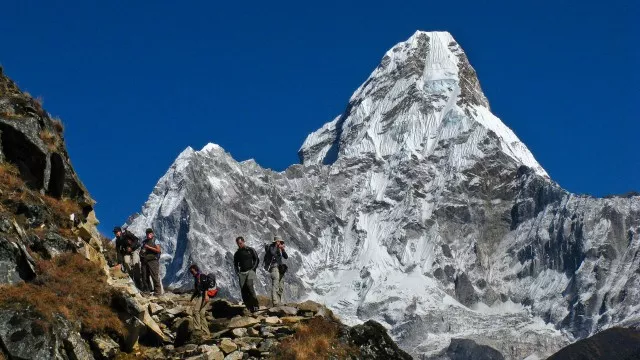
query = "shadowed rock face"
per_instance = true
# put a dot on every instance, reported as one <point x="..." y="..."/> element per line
<point x="413" y="206"/>
<point x="24" y="337"/>
<point x="30" y="140"/>
<point x="611" y="344"/>
<point x="463" y="349"/>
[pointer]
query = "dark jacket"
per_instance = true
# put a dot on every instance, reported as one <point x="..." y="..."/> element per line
<point x="245" y="259"/>
<point x="126" y="240"/>
<point x="274" y="256"/>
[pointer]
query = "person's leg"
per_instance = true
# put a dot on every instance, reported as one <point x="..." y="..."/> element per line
<point x="275" y="281"/>
<point x="251" y="291"/>
<point x="120" y="260"/>
<point x="281" y="288"/>
<point x="126" y="263"/>
<point x="144" y="277"/>
<point x="154" y="270"/>
<point x="136" y="268"/>
<point x="196" y="306"/>
<point x="242" y="279"/>
<point x="204" y="307"/>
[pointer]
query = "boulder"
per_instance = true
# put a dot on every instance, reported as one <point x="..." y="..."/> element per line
<point x="134" y="329"/>
<point x="224" y="309"/>
<point x="13" y="265"/>
<point x="105" y="347"/>
<point x="227" y="346"/>
<point x="272" y="320"/>
<point x="154" y="308"/>
<point x="309" y="305"/>
<point x="75" y="347"/>
<point x="93" y="255"/>
<point x="283" y="311"/>
<point x="267" y="345"/>
<point x="242" y="322"/>
<point x="239" y="332"/>
<point x="187" y="350"/>
<point x="373" y="342"/>
<point x="236" y="355"/>
<point x="86" y="232"/>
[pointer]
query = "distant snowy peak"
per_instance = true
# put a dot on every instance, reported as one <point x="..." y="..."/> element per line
<point x="423" y="95"/>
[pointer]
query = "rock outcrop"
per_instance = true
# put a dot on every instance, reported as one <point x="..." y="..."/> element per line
<point x="237" y="333"/>
<point x="33" y="141"/>
<point x="611" y="344"/>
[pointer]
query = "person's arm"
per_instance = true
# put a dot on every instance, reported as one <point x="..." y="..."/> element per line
<point x="155" y="248"/>
<point x="284" y="254"/>
<point x="236" y="262"/>
<point x="256" y="259"/>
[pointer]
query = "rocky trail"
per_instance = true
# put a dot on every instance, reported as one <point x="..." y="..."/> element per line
<point x="165" y="329"/>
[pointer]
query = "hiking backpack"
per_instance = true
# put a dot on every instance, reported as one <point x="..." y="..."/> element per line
<point x="208" y="284"/>
<point x="266" y="261"/>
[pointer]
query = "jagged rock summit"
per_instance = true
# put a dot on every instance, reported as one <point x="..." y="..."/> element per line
<point x="419" y="208"/>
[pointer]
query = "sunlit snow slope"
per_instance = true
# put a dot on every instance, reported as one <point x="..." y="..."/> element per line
<point x="419" y="208"/>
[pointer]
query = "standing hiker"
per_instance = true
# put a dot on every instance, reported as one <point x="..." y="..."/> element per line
<point x="245" y="263"/>
<point x="128" y="252"/>
<point x="204" y="285"/>
<point x="150" y="255"/>
<point x="273" y="256"/>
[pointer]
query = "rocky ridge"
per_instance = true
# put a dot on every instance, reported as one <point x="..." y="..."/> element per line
<point x="238" y="334"/>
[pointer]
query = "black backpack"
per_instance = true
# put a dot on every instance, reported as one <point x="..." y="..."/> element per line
<point x="207" y="282"/>
<point x="266" y="261"/>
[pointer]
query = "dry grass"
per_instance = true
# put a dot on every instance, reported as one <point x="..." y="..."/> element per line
<point x="10" y="177"/>
<point x="14" y="191"/>
<point x="316" y="339"/>
<point x="64" y="207"/>
<point x="71" y="286"/>
<point x="57" y="125"/>
<point x="50" y="139"/>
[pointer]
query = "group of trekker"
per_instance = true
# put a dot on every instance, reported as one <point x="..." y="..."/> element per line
<point x="141" y="261"/>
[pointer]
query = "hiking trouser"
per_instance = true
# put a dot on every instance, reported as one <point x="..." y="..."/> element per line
<point x="151" y="276"/>
<point x="198" y="312"/>
<point x="131" y="263"/>
<point x="277" y="286"/>
<point x="247" y="278"/>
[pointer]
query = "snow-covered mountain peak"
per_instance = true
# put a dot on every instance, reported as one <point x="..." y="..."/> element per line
<point x="211" y="147"/>
<point x="423" y="96"/>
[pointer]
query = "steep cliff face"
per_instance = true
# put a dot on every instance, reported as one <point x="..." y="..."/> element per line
<point x="419" y="208"/>
<point x="33" y="141"/>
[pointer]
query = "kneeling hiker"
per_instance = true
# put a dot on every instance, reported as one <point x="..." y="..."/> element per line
<point x="150" y="255"/>
<point x="245" y="262"/>
<point x="273" y="256"/>
<point x="204" y="288"/>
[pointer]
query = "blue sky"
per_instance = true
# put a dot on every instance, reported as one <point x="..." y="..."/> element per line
<point x="137" y="82"/>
